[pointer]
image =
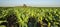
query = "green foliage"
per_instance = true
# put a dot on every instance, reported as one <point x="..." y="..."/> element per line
<point x="23" y="14"/>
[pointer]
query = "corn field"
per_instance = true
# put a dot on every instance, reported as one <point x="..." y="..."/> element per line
<point x="29" y="17"/>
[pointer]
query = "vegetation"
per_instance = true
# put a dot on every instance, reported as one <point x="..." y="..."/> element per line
<point x="30" y="17"/>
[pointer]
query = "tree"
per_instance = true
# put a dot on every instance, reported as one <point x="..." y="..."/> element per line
<point x="24" y="5"/>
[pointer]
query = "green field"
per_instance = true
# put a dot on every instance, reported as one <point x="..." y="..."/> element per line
<point x="30" y="16"/>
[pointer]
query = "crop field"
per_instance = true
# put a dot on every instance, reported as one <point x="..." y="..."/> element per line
<point x="29" y="16"/>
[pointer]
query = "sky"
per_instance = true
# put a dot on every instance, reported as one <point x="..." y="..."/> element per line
<point x="36" y="3"/>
